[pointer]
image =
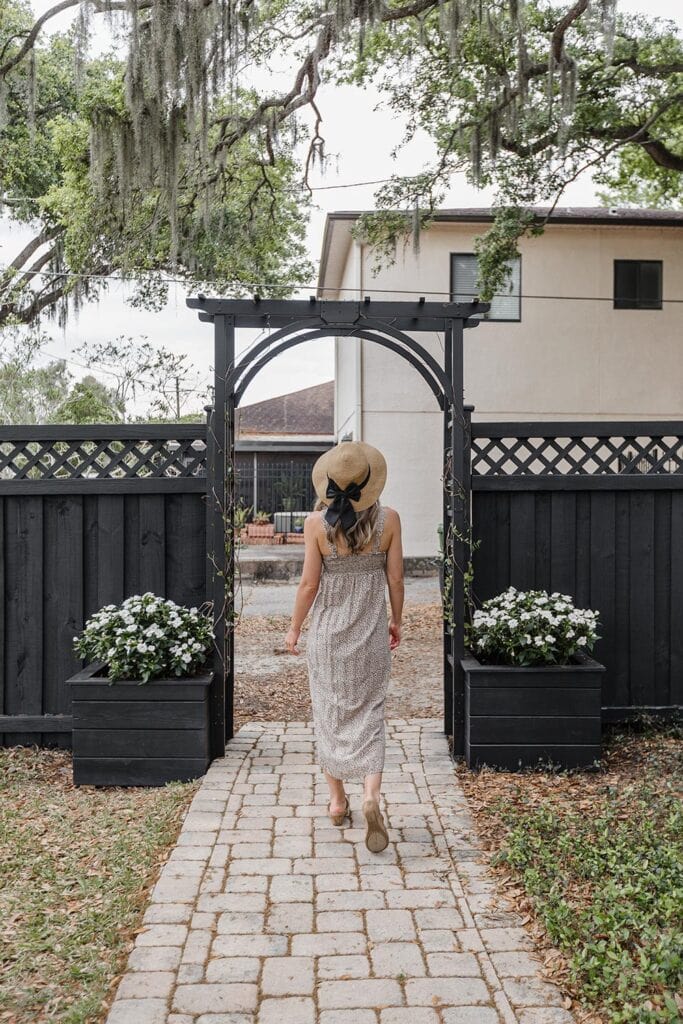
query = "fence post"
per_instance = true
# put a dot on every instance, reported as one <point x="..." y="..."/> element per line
<point x="458" y="520"/>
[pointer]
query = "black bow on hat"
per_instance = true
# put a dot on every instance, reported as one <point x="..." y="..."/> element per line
<point x="341" y="508"/>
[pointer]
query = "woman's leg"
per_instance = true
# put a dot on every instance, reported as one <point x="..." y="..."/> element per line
<point x="337" y="794"/>
<point x="376" y="837"/>
<point x="372" y="786"/>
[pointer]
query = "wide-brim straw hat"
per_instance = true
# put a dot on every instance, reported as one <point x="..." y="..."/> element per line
<point x="349" y="462"/>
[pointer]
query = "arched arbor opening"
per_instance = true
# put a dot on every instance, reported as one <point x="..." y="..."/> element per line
<point x="392" y="325"/>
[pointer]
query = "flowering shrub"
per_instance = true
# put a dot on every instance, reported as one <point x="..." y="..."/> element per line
<point x="147" y="637"/>
<point x="531" y="628"/>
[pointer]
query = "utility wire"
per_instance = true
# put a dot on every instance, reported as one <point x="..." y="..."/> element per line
<point x="256" y="286"/>
<point x="7" y="200"/>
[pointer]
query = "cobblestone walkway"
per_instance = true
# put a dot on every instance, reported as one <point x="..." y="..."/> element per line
<point x="265" y="913"/>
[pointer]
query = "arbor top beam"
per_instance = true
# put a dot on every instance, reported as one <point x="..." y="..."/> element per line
<point x="416" y="315"/>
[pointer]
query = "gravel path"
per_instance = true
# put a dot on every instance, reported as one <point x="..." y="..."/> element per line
<point x="272" y="685"/>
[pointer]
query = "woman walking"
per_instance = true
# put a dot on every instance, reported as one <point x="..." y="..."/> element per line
<point x="353" y="549"/>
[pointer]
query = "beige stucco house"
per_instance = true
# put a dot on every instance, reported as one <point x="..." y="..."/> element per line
<point x="592" y="329"/>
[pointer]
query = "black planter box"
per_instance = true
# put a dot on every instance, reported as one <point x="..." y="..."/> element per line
<point x="127" y="734"/>
<point x="516" y="717"/>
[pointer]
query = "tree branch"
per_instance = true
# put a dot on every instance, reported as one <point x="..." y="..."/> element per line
<point x="46" y="235"/>
<point x="33" y="33"/>
<point x="557" y="39"/>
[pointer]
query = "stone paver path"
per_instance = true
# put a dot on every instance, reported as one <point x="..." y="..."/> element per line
<point x="265" y="913"/>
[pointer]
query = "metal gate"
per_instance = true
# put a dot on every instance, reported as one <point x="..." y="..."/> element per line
<point x="290" y="323"/>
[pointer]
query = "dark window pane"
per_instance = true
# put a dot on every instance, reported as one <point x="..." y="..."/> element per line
<point x="637" y="284"/>
<point x="625" y="284"/>
<point x="650" y="284"/>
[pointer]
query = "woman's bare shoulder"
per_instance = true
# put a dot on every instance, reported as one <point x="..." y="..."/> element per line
<point x="391" y="517"/>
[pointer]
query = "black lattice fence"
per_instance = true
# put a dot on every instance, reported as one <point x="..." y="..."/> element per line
<point x="594" y="510"/>
<point x="88" y="516"/>
<point x="100" y="454"/>
<point x="542" y="449"/>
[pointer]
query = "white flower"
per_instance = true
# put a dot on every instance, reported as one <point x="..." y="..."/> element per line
<point x="549" y="639"/>
<point x="581" y="640"/>
<point x="186" y="657"/>
<point x="527" y="638"/>
<point x="512" y="623"/>
<point x="569" y="633"/>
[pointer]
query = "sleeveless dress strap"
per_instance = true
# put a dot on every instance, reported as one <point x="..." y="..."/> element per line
<point x="329" y="534"/>
<point x="379" y="528"/>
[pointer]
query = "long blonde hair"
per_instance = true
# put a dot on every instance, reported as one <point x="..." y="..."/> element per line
<point x="360" y="533"/>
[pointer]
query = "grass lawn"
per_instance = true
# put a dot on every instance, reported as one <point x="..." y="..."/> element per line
<point x="76" y="865"/>
<point x="595" y="861"/>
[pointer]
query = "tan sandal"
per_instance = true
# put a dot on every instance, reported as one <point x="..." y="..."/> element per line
<point x="376" y="837"/>
<point x="339" y="819"/>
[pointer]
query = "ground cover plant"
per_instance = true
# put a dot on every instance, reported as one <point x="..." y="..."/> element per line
<point x="595" y="863"/>
<point x="76" y="868"/>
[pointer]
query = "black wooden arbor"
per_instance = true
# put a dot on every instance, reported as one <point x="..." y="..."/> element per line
<point x="290" y="323"/>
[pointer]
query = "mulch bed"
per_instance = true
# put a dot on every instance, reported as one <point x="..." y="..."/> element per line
<point x="641" y="775"/>
<point x="273" y="685"/>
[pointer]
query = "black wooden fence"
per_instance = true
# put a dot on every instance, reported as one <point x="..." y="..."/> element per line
<point x="90" y="515"/>
<point x="594" y="510"/>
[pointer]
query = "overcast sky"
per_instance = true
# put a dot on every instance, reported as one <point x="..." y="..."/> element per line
<point x="362" y="138"/>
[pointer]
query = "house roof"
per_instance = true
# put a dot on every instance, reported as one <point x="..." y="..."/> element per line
<point x="337" y="237"/>
<point x="309" y="411"/>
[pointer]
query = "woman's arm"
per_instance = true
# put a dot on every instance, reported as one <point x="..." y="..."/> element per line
<point x="308" y="584"/>
<point x="395" y="578"/>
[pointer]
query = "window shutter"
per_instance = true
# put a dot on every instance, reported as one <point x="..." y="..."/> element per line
<point x="464" y="277"/>
<point x="504" y="306"/>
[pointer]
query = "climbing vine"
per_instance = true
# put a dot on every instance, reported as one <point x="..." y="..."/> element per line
<point x="454" y="537"/>
<point x="222" y="552"/>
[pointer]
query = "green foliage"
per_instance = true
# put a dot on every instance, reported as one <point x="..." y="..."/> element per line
<point x="30" y="393"/>
<point x="608" y="887"/>
<point x="512" y="119"/>
<point x="90" y="401"/>
<point x="233" y="229"/>
<point x="632" y="179"/>
<point x="164" y="160"/>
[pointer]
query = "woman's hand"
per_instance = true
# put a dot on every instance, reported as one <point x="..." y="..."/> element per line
<point x="394" y="635"/>
<point x="292" y="639"/>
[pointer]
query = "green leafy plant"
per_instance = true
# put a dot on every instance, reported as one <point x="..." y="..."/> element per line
<point x="531" y="628"/>
<point x="261" y="516"/>
<point x="147" y="637"/>
<point x="608" y="887"/>
<point x="241" y="515"/>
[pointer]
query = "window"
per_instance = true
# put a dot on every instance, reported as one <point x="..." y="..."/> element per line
<point x="504" y="306"/>
<point x="637" y="284"/>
